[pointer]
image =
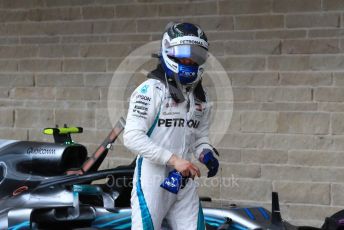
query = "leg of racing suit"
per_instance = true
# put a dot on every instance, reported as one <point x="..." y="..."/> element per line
<point x="186" y="212"/>
<point x="151" y="203"/>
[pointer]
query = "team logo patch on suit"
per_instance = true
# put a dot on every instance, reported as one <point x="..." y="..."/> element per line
<point x="144" y="89"/>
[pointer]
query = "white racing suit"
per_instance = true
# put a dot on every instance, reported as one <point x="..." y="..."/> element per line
<point x="156" y="128"/>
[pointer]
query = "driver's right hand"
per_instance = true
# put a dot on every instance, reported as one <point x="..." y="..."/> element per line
<point x="186" y="168"/>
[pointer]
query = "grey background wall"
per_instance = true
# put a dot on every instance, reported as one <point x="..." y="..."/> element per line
<point x="284" y="59"/>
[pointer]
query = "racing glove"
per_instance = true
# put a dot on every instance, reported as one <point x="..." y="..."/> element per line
<point x="173" y="182"/>
<point x="207" y="158"/>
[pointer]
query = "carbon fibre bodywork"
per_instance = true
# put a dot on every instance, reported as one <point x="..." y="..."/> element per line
<point x="24" y="164"/>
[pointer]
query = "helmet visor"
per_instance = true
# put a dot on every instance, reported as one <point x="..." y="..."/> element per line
<point x="196" y="54"/>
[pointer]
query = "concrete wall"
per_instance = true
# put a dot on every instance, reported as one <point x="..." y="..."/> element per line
<point x="284" y="59"/>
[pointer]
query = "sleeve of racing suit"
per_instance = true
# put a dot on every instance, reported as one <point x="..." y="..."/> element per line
<point x="144" y="109"/>
<point x="202" y="133"/>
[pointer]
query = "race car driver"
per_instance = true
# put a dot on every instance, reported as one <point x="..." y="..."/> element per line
<point x="167" y="121"/>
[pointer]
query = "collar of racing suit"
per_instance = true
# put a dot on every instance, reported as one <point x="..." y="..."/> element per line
<point x="175" y="91"/>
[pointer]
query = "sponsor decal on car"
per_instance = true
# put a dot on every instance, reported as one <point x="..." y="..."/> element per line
<point x="43" y="151"/>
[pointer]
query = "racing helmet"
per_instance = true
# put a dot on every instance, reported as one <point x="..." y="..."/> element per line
<point x="184" y="50"/>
